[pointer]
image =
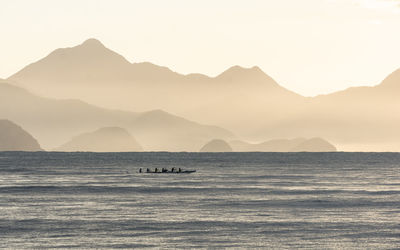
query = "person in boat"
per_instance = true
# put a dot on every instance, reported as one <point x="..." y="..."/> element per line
<point x="156" y="170"/>
<point x="140" y="170"/>
<point x="179" y="170"/>
<point x="172" y="170"/>
<point x="148" y="170"/>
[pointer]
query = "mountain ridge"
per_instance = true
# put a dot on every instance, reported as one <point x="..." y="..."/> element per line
<point x="93" y="44"/>
<point x="106" y="139"/>
<point x="145" y="86"/>
<point x="244" y="100"/>
<point x="55" y="121"/>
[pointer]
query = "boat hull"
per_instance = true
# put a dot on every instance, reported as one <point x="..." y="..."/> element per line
<point x="169" y="172"/>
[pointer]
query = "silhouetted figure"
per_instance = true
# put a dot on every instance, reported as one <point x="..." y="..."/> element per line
<point x="164" y="170"/>
<point x="172" y="170"/>
<point x="156" y="170"/>
<point x="179" y="170"/>
<point x="140" y="170"/>
<point x="148" y="170"/>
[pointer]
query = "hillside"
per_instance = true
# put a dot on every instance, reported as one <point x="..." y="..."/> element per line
<point x="109" y="139"/>
<point x="356" y="119"/>
<point x="216" y="146"/>
<point x="244" y="100"/>
<point x="54" y="122"/>
<point x="15" y="138"/>
<point x="93" y="73"/>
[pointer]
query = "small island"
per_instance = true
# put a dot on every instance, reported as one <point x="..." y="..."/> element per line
<point x="216" y="146"/>
<point x="107" y="139"/>
<point x="15" y="138"/>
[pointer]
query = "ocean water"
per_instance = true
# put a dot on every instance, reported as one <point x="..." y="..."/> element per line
<point x="238" y="200"/>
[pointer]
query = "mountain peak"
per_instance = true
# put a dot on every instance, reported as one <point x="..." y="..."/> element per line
<point x="92" y="42"/>
<point x="90" y="60"/>
<point x="239" y="71"/>
<point x="239" y="74"/>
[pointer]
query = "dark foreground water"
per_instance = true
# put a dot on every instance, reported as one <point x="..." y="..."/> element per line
<point x="240" y="200"/>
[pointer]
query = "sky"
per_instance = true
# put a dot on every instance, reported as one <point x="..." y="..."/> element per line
<point x="310" y="46"/>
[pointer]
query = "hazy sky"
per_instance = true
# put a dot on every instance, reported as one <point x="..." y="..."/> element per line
<point x="308" y="46"/>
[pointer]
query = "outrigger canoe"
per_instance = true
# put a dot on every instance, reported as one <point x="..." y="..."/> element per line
<point x="170" y="172"/>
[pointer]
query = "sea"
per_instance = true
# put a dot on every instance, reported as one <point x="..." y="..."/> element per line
<point x="234" y="200"/>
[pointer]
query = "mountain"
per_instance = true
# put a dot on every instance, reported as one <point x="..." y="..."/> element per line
<point x="285" y="145"/>
<point x="54" y="122"/>
<point x="356" y="119"/>
<point x="314" y="145"/>
<point x="391" y="82"/>
<point x="14" y="138"/>
<point x="159" y="131"/>
<point x="109" y="139"/>
<point x="244" y="100"/>
<point x="95" y="74"/>
<point x="89" y="63"/>
<point x="216" y="146"/>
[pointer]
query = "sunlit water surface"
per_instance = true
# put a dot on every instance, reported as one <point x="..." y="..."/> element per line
<point x="240" y="200"/>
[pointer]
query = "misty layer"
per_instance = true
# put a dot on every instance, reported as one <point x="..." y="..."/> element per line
<point x="110" y="139"/>
<point x="285" y="145"/>
<point x="244" y="100"/>
<point x="54" y="122"/>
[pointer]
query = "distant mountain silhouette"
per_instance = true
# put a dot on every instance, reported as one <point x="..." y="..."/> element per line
<point x="216" y="146"/>
<point x="314" y="145"/>
<point x="109" y="139"/>
<point x="357" y="119"/>
<point x="285" y="145"/>
<point x="14" y="138"/>
<point x="240" y="75"/>
<point x="88" y="65"/>
<point x="157" y="130"/>
<point x="93" y="73"/>
<point x="244" y="100"/>
<point x="54" y="122"/>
